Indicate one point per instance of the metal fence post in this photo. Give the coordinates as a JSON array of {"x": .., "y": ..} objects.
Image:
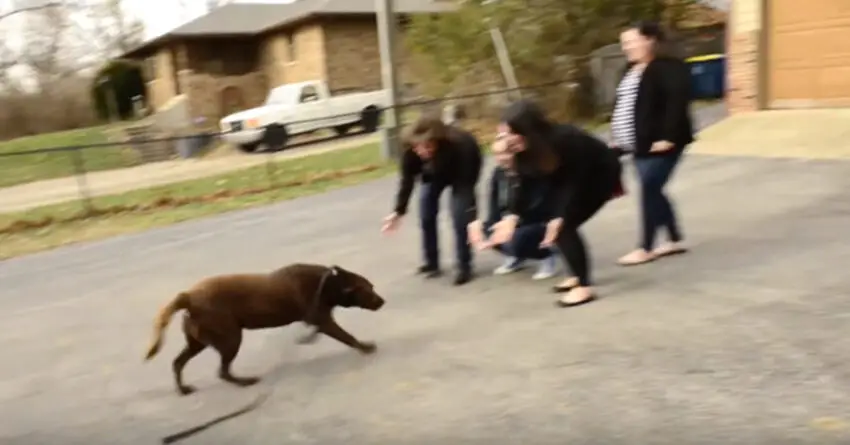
[
  {"x": 387, "y": 32},
  {"x": 82, "y": 180},
  {"x": 270, "y": 172}
]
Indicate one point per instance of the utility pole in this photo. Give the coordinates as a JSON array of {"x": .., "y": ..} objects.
[
  {"x": 503, "y": 55},
  {"x": 387, "y": 36}
]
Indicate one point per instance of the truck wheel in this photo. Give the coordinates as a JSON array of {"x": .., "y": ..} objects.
[
  {"x": 249, "y": 148},
  {"x": 275, "y": 137},
  {"x": 342, "y": 129},
  {"x": 370, "y": 118}
]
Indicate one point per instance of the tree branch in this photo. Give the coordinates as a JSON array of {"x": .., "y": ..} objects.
[{"x": 28, "y": 9}]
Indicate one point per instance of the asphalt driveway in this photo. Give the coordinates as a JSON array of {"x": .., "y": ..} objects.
[{"x": 742, "y": 341}]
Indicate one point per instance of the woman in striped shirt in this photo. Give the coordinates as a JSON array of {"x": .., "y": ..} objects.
[{"x": 652, "y": 121}]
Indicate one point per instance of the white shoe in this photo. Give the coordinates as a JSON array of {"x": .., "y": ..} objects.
[
  {"x": 547, "y": 269},
  {"x": 510, "y": 265}
]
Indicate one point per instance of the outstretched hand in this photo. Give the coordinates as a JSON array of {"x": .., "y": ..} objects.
[
  {"x": 553, "y": 229},
  {"x": 503, "y": 230},
  {"x": 391, "y": 223},
  {"x": 476, "y": 237}
]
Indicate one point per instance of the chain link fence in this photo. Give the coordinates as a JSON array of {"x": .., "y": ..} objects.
[{"x": 136, "y": 168}]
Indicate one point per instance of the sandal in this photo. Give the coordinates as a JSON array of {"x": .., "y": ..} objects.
[
  {"x": 637, "y": 257},
  {"x": 566, "y": 304},
  {"x": 670, "y": 249},
  {"x": 563, "y": 303},
  {"x": 561, "y": 287}
]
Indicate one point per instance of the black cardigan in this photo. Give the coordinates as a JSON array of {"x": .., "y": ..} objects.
[
  {"x": 456, "y": 163},
  {"x": 662, "y": 110},
  {"x": 586, "y": 166}
]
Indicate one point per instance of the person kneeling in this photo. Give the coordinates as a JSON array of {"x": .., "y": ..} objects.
[{"x": 525, "y": 243}]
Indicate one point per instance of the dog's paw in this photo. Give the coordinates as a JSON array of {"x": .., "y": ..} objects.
[
  {"x": 367, "y": 347},
  {"x": 247, "y": 381},
  {"x": 185, "y": 390},
  {"x": 308, "y": 339}
]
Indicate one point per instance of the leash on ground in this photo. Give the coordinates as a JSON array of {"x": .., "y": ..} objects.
[{"x": 267, "y": 393}]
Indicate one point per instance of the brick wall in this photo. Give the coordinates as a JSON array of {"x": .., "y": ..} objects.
[
  {"x": 206, "y": 93},
  {"x": 353, "y": 56},
  {"x": 743, "y": 55},
  {"x": 342, "y": 51},
  {"x": 307, "y": 62},
  {"x": 161, "y": 88}
]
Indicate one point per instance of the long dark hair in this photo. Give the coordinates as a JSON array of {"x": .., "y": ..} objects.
[
  {"x": 650, "y": 30},
  {"x": 528, "y": 120}
]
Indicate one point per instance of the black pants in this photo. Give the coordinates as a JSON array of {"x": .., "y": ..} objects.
[
  {"x": 656, "y": 210},
  {"x": 429, "y": 208},
  {"x": 586, "y": 203}
]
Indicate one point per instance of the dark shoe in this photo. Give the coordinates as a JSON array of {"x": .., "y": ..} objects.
[
  {"x": 429, "y": 271},
  {"x": 463, "y": 277}
]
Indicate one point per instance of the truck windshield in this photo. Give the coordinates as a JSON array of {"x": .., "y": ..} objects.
[{"x": 283, "y": 95}]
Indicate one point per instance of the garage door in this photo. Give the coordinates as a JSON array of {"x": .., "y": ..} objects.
[{"x": 808, "y": 62}]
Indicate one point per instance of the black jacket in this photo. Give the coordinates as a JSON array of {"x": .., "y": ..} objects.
[
  {"x": 662, "y": 111},
  {"x": 586, "y": 169},
  {"x": 456, "y": 163},
  {"x": 532, "y": 194}
]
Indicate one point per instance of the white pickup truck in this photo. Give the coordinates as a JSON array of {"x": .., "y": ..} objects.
[{"x": 298, "y": 108}]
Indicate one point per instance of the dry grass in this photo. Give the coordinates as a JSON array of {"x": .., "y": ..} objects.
[{"x": 56, "y": 225}]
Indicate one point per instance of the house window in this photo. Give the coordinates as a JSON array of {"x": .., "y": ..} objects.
[
  {"x": 291, "y": 47},
  {"x": 214, "y": 66}
]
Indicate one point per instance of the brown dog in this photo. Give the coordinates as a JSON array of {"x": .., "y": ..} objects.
[{"x": 218, "y": 308}]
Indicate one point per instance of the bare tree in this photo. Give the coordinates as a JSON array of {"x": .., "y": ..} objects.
[
  {"x": 213, "y": 4},
  {"x": 29, "y": 7},
  {"x": 113, "y": 30},
  {"x": 45, "y": 48}
]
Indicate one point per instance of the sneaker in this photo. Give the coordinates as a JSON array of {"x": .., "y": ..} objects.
[
  {"x": 546, "y": 269},
  {"x": 510, "y": 265}
]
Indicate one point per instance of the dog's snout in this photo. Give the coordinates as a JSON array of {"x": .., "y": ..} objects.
[{"x": 377, "y": 302}]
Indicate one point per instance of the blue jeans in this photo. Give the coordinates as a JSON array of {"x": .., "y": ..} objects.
[
  {"x": 526, "y": 242},
  {"x": 429, "y": 208},
  {"x": 656, "y": 209}
]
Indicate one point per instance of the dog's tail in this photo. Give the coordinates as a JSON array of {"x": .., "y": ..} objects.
[{"x": 162, "y": 320}]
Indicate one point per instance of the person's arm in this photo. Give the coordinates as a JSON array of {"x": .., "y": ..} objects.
[
  {"x": 470, "y": 171},
  {"x": 675, "y": 83},
  {"x": 493, "y": 210},
  {"x": 410, "y": 169}
]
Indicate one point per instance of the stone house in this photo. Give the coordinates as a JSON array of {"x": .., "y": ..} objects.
[
  {"x": 229, "y": 59},
  {"x": 788, "y": 54}
]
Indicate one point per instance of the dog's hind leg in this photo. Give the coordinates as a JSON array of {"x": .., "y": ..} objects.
[
  {"x": 228, "y": 346},
  {"x": 193, "y": 347}
]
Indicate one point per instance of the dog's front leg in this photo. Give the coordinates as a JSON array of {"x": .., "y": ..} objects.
[
  {"x": 330, "y": 328},
  {"x": 310, "y": 337}
]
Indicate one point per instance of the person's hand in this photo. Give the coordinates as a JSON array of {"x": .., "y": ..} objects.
[
  {"x": 660, "y": 146},
  {"x": 475, "y": 235},
  {"x": 553, "y": 229},
  {"x": 391, "y": 223},
  {"x": 503, "y": 230}
]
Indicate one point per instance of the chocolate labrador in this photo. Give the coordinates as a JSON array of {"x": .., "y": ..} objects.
[{"x": 218, "y": 308}]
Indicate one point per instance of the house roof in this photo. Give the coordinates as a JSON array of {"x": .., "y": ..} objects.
[{"x": 248, "y": 19}]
